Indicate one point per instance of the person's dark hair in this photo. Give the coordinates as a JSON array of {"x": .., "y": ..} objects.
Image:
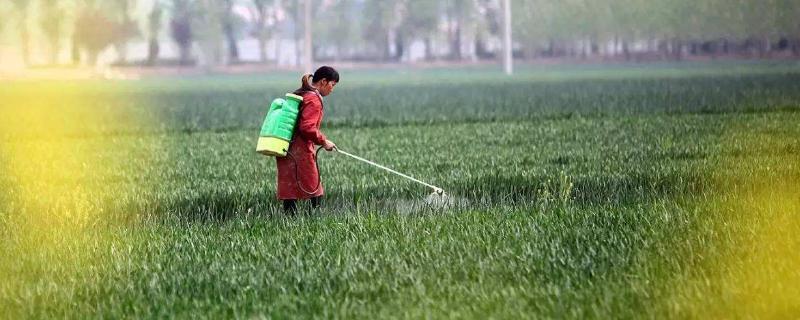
[{"x": 323, "y": 73}]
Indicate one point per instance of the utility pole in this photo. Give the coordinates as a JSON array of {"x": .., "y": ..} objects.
[
  {"x": 508, "y": 59},
  {"x": 308, "y": 59}
]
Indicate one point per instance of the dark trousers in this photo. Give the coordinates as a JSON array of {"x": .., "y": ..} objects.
[{"x": 290, "y": 206}]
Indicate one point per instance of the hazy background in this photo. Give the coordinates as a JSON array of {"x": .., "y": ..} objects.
[{"x": 255, "y": 35}]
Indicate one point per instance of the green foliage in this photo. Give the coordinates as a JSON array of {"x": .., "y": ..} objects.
[
  {"x": 97, "y": 25},
  {"x": 422, "y": 18},
  {"x": 181, "y": 28},
  {"x": 539, "y": 21},
  {"x": 339, "y": 25},
  {"x": 51, "y": 23},
  {"x": 621, "y": 191},
  {"x": 21, "y": 16},
  {"x": 94, "y": 31}
]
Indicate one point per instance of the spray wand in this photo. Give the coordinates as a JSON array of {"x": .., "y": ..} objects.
[{"x": 436, "y": 189}]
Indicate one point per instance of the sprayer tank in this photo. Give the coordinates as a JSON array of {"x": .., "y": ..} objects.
[{"x": 278, "y": 127}]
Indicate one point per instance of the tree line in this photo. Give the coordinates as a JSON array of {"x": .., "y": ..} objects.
[
  {"x": 387, "y": 30},
  {"x": 668, "y": 29}
]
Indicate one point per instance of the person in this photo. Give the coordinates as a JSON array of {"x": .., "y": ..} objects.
[{"x": 298, "y": 175}]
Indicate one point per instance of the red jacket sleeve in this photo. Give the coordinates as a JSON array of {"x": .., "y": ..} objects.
[{"x": 310, "y": 118}]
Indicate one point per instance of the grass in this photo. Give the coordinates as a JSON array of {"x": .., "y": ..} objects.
[{"x": 622, "y": 191}]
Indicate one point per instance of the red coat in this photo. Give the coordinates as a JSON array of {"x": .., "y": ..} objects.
[{"x": 306, "y": 135}]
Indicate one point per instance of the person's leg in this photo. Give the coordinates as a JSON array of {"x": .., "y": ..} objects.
[
  {"x": 316, "y": 202},
  {"x": 289, "y": 206}
]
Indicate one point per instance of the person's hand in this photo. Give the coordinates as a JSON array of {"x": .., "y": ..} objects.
[{"x": 329, "y": 146}]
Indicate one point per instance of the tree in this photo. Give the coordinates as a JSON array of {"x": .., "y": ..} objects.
[
  {"x": 764, "y": 22},
  {"x": 790, "y": 24},
  {"x": 153, "y": 27},
  {"x": 534, "y": 24},
  {"x": 94, "y": 32},
  {"x": 264, "y": 18},
  {"x": 229, "y": 22},
  {"x": 385, "y": 18},
  {"x": 295, "y": 9},
  {"x": 488, "y": 26},
  {"x": 422, "y": 23},
  {"x": 124, "y": 27},
  {"x": 51, "y": 19},
  {"x": 340, "y": 36},
  {"x": 181, "y": 29},
  {"x": 21, "y": 8},
  {"x": 208, "y": 19},
  {"x": 460, "y": 19},
  {"x": 308, "y": 47}
]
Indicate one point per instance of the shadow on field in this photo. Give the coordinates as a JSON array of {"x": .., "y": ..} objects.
[
  {"x": 490, "y": 191},
  {"x": 216, "y": 206},
  {"x": 219, "y": 206}
]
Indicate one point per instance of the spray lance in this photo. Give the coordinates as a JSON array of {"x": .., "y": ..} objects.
[
  {"x": 436, "y": 190},
  {"x": 278, "y": 128}
]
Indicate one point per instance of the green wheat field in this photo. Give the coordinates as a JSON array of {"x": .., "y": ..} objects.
[{"x": 628, "y": 191}]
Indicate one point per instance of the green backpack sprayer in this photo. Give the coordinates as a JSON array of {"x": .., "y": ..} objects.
[{"x": 278, "y": 129}]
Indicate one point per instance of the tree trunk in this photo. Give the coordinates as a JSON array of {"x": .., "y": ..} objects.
[
  {"x": 481, "y": 51},
  {"x": 764, "y": 50},
  {"x": 725, "y": 47},
  {"x": 152, "y": 51},
  {"x": 428, "y": 49},
  {"x": 456, "y": 43},
  {"x": 25, "y": 41},
  {"x": 154, "y": 24},
  {"x": 233, "y": 47},
  {"x": 262, "y": 49},
  {"x": 278, "y": 49},
  {"x": 122, "y": 53},
  {"x": 387, "y": 46},
  {"x": 663, "y": 49},
  {"x": 753, "y": 47},
  {"x": 532, "y": 51},
  {"x": 714, "y": 50},
  {"x": 479, "y": 48},
  {"x": 91, "y": 58},
  {"x": 337, "y": 52},
  {"x": 276, "y": 34},
  {"x": 626, "y": 50},
  {"x": 75, "y": 52},
  {"x": 307, "y": 32},
  {"x": 399, "y": 47},
  {"x": 297, "y": 34},
  {"x": 677, "y": 48},
  {"x": 298, "y": 53},
  {"x": 54, "y": 51},
  {"x": 185, "y": 51},
  {"x": 584, "y": 50}
]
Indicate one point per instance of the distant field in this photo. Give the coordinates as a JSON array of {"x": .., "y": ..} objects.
[
  {"x": 665, "y": 190},
  {"x": 423, "y": 96}
]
